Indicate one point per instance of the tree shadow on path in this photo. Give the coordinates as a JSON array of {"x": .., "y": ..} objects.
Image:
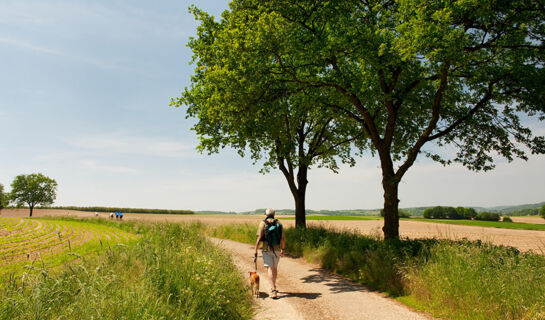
[
  {"x": 336, "y": 283},
  {"x": 303, "y": 295}
]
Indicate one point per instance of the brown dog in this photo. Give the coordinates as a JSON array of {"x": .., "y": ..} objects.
[{"x": 254, "y": 283}]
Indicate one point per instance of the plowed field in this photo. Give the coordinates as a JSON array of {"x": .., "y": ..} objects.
[{"x": 24, "y": 241}]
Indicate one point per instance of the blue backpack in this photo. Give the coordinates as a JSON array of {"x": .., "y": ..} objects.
[{"x": 272, "y": 233}]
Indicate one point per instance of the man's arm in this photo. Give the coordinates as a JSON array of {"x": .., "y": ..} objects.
[
  {"x": 282, "y": 244},
  {"x": 257, "y": 244}
]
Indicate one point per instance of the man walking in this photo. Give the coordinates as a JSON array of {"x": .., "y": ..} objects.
[{"x": 271, "y": 234}]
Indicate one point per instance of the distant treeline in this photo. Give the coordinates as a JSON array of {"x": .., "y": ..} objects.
[
  {"x": 459, "y": 213},
  {"x": 522, "y": 212},
  {"x": 124, "y": 210}
]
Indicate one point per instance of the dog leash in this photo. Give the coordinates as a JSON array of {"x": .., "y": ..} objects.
[{"x": 255, "y": 262}]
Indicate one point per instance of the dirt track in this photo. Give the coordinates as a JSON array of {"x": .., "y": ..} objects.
[
  {"x": 524, "y": 240},
  {"x": 309, "y": 292}
]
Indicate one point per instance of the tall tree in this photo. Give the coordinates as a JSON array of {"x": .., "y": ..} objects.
[
  {"x": 279, "y": 124},
  {"x": 410, "y": 73},
  {"x": 33, "y": 189}
]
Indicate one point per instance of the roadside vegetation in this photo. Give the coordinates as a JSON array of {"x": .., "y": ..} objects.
[
  {"x": 170, "y": 272},
  {"x": 450, "y": 279}
]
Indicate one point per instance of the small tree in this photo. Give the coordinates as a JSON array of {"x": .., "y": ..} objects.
[
  {"x": 3, "y": 198},
  {"x": 542, "y": 211},
  {"x": 33, "y": 189}
]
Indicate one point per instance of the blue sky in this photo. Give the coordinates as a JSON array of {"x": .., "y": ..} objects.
[{"x": 85, "y": 88}]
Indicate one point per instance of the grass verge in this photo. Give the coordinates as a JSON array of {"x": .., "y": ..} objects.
[
  {"x": 451, "y": 279},
  {"x": 170, "y": 272}
]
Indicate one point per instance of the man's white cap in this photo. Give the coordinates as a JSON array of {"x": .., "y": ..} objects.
[{"x": 269, "y": 212}]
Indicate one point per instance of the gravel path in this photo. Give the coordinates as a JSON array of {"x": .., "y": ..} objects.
[{"x": 309, "y": 292}]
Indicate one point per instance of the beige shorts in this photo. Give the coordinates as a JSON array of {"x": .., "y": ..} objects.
[{"x": 270, "y": 259}]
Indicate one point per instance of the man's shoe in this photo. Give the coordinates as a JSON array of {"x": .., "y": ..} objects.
[{"x": 274, "y": 294}]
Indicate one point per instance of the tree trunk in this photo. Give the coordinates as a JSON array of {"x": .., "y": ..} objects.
[
  {"x": 391, "y": 202},
  {"x": 300, "y": 214},
  {"x": 299, "y": 197},
  {"x": 31, "y": 207}
]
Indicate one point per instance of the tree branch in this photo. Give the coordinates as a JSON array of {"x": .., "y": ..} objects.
[{"x": 413, "y": 152}]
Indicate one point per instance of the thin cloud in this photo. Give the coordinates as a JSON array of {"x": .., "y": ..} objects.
[
  {"x": 119, "y": 144},
  {"x": 56, "y": 52},
  {"x": 96, "y": 166}
]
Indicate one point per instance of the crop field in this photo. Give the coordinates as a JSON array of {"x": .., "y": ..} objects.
[{"x": 50, "y": 242}]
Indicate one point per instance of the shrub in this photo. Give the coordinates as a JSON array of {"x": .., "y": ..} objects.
[
  {"x": 488, "y": 216},
  {"x": 506, "y": 219}
]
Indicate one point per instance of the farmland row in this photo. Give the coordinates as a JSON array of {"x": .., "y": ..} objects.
[{"x": 29, "y": 239}]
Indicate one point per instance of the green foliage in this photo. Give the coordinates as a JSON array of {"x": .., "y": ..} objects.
[
  {"x": 3, "y": 197},
  {"x": 488, "y": 216},
  {"x": 542, "y": 211},
  {"x": 173, "y": 272},
  {"x": 124, "y": 210},
  {"x": 451, "y": 213},
  {"x": 33, "y": 189},
  {"x": 239, "y": 105},
  {"x": 506, "y": 219},
  {"x": 453, "y": 279}
]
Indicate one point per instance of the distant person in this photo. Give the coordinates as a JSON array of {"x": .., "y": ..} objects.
[
  {"x": 96, "y": 214},
  {"x": 117, "y": 215},
  {"x": 270, "y": 233},
  {"x": 111, "y": 215},
  {"x": 121, "y": 215}
]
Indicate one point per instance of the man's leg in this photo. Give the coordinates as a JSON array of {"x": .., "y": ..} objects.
[
  {"x": 273, "y": 272},
  {"x": 272, "y": 278}
]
